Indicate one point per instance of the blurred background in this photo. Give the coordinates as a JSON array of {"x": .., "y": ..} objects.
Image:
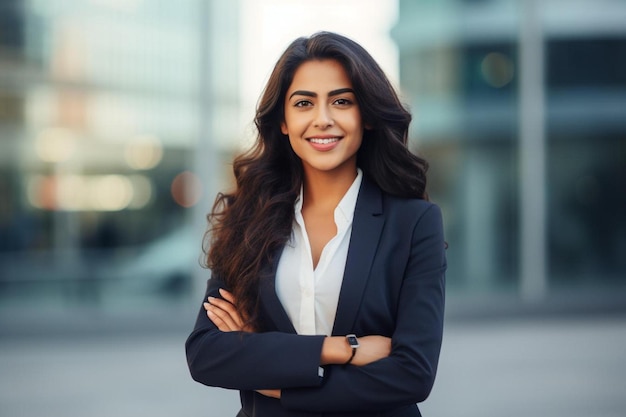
[{"x": 118, "y": 123}]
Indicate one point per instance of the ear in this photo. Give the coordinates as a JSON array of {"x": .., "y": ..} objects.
[
  {"x": 367, "y": 126},
  {"x": 283, "y": 128}
]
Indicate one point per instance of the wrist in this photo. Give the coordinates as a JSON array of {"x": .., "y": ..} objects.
[
  {"x": 335, "y": 351},
  {"x": 353, "y": 343}
]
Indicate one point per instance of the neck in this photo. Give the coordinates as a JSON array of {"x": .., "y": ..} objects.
[{"x": 326, "y": 189}]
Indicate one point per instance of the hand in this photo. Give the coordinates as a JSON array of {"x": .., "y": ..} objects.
[
  {"x": 224, "y": 314},
  {"x": 272, "y": 393}
]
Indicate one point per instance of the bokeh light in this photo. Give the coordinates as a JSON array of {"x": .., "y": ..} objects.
[
  {"x": 186, "y": 189},
  {"x": 89, "y": 193},
  {"x": 142, "y": 191},
  {"x": 143, "y": 152},
  {"x": 55, "y": 144},
  {"x": 497, "y": 69},
  {"x": 111, "y": 192}
]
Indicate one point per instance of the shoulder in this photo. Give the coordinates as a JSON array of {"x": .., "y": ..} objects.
[
  {"x": 416, "y": 205},
  {"x": 409, "y": 210},
  {"x": 390, "y": 203}
]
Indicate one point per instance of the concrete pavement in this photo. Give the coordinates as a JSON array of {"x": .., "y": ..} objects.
[{"x": 515, "y": 367}]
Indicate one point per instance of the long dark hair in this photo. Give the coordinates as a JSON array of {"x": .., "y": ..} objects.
[{"x": 250, "y": 225}]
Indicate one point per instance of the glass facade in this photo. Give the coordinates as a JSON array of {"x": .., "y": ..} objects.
[
  {"x": 462, "y": 69},
  {"x": 104, "y": 107}
]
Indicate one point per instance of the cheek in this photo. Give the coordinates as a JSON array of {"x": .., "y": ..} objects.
[
  {"x": 296, "y": 147},
  {"x": 358, "y": 133},
  {"x": 353, "y": 122},
  {"x": 293, "y": 124},
  {"x": 357, "y": 144}
]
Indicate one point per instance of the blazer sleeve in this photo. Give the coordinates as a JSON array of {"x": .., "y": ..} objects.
[
  {"x": 250, "y": 361},
  {"x": 407, "y": 375}
]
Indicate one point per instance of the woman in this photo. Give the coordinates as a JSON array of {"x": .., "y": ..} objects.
[{"x": 328, "y": 262}]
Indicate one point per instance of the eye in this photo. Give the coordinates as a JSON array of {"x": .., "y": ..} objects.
[
  {"x": 302, "y": 103},
  {"x": 343, "y": 102}
]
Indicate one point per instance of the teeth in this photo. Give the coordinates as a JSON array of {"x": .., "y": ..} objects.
[{"x": 324, "y": 141}]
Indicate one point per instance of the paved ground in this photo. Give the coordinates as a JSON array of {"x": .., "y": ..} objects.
[
  {"x": 517, "y": 367},
  {"x": 542, "y": 368}
]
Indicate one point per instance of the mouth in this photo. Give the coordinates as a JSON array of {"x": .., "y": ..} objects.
[{"x": 324, "y": 141}]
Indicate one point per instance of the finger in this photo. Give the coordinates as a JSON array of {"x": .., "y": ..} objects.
[
  {"x": 221, "y": 324},
  {"x": 227, "y": 307},
  {"x": 273, "y": 393},
  {"x": 227, "y": 296},
  {"x": 225, "y": 316},
  {"x": 223, "y": 304},
  {"x": 220, "y": 318},
  {"x": 216, "y": 320}
]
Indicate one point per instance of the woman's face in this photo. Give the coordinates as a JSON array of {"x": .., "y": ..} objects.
[{"x": 322, "y": 118}]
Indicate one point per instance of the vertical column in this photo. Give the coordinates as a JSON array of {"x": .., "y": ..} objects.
[
  {"x": 532, "y": 155},
  {"x": 205, "y": 156},
  {"x": 481, "y": 198}
]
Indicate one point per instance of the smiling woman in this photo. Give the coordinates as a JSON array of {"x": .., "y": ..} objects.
[{"x": 327, "y": 260}]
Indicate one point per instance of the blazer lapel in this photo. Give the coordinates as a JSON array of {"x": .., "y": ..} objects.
[
  {"x": 366, "y": 228},
  {"x": 270, "y": 300}
]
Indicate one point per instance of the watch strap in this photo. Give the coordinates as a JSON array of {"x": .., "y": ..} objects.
[{"x": 354, "y": 344}]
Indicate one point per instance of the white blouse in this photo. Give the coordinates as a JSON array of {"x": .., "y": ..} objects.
[{"x": 309, "y": 295}]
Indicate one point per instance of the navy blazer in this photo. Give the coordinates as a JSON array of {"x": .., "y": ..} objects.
[{"x": 393, "y": 286}]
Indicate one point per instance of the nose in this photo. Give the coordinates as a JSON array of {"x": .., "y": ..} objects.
[{"x": 323, "y": 118}]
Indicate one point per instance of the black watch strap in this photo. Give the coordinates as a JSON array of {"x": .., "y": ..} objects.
[{"x": 353, "y": 341}]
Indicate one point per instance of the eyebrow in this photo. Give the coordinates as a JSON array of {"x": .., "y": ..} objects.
[{"x": 330, "y": 93}]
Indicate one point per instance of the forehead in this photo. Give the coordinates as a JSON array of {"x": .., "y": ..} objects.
[{"x": 320, "y": 76}]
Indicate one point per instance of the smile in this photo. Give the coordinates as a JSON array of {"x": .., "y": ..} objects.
[{"x": 324, "y": 141}]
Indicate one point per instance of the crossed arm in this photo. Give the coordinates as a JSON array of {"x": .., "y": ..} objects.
[{"x": 335, "y": 350}]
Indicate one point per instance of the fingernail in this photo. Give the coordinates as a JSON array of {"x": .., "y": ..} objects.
[{"x": 211, "y": 299}]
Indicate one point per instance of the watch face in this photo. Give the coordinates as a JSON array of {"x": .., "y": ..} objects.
[{"x": 352, "y": 340}]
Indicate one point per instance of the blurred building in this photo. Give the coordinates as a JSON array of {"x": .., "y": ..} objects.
[
  {"x": 118, "y": 119},
  {"x": 108, "y": 144},
  {"x": 521, "y": 108}
]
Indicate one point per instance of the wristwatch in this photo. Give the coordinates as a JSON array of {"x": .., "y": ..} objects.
[{"x": 354, "y": 343}]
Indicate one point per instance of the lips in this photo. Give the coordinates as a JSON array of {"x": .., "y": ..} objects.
[
  {"x": 323, "y": 141},
  {"x": 324, "y": 144}
]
